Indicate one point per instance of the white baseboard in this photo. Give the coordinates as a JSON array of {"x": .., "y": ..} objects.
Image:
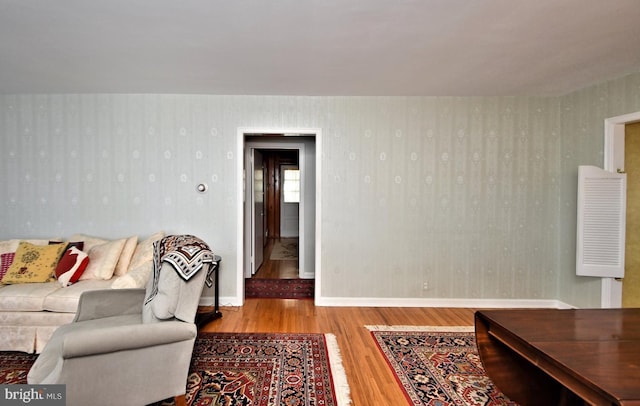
[
  {"x": 223, "y": 301},
  {"x": 411, "y": 302},
  {"x": 422, "y": 302}
]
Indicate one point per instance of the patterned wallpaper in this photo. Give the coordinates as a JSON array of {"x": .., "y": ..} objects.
[
  {"x": 582, "y": 114},
  {"x": 470, "y": 195}
]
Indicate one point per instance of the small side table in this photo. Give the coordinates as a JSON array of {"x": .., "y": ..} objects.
[{"x": 202, "y": 318}]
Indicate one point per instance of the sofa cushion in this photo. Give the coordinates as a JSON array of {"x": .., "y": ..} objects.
[
  {"x": 66, "y": 300},
  {"x": 34, "y": 263},
  {"x": 125, "y": 257},
  {"x": 134, "y": 279},
  {"x": 103, "y": 259},
  {"x": 26, "y": 297},
  {"x": 144, "y": 251},
  {"x": 71, "y": 266}
]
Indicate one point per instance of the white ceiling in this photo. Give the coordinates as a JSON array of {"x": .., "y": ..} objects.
[{"x": 316, "y": 47}]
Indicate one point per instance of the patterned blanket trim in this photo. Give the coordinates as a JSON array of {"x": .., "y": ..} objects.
[{"x": 440, "y": 329}]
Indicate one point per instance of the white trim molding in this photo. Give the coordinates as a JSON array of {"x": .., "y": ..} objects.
[
  {"x": 240, "y": 196},
  {"x": 614, "y": 133},
  {"x": 440, "y": 302}
]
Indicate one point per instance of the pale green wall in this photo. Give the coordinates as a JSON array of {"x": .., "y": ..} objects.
[
  {"x": 583, "y": 114},
  {"x": 474, "y": 195}
]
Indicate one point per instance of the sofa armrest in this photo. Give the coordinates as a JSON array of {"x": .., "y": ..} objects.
[
  {"x": 121, "y": 338},
  {"x": 96, "y": 304}
]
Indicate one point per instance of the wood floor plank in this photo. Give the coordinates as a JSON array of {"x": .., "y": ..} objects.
[{"x": 370, "y": 378}]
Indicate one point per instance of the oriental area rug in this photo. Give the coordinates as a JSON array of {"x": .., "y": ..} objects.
[
  {"x": 260, "y": 369},
  {"x": 437, "y": 365},
  {"x": 279, "y": 288}
]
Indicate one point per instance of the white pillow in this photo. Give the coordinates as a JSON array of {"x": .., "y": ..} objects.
[
  {"x": 103, "y": 259},
  {"x": 134, "y": 279},
  {"x": 144, "y": 251},
  {"x": 126, "y": 255}
]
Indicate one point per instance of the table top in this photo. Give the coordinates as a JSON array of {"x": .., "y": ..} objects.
[{"x": 600, "y": 347}]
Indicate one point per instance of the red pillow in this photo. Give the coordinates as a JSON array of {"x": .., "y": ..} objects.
[
  {"x": 71, "y": 266},
  {"x": 5, "y": 262}
]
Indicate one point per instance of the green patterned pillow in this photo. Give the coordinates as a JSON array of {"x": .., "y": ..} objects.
[{"x": 34, "y": 263}]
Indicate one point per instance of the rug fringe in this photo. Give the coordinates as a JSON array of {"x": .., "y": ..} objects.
[
  {"x": 341, "y": 386},
  {"x": 455, "y": 329}
]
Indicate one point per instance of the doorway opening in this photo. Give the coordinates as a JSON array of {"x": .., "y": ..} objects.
[
  {"x": 280, "y": 233},
  {"x": 615, "y": 129},
  {"x": 277, "y": 206}
]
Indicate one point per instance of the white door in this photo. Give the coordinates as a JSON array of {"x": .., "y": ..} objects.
[
  {"x": 258, "y": 212},
  {"x": 601, "y": 222},
  {"x": 289, "y": 201}
]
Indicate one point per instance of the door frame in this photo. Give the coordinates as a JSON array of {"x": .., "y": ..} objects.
[
  {"x": 249, "y": 238},
  {"x": 241, "y": 190},
  {"x": 614, "y": 135}
]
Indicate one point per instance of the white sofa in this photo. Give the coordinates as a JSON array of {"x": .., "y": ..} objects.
[{"x": 31, "y": 312}]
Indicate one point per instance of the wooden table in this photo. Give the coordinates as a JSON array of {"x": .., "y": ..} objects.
[{"x": 562, "y": 357}]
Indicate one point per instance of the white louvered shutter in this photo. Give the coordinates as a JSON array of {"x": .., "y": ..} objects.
[{"x": 602, "y": 198}]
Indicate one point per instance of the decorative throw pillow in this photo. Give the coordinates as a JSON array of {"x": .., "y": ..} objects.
[
  {"x": 125, "y": 257},
  {"x": 144, "y": 251},
  {"x": 103, "y": 259},
  {"x": 71, "y": 266},
  {"x": 34, "y": 263},
  {"x": 8, "y": 251},
  {"x": 6, "y": 260}
]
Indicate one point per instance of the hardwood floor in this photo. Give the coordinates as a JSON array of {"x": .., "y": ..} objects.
[
  {"x": 370, "y": 379},
  {"x": 279, "y": 269}
]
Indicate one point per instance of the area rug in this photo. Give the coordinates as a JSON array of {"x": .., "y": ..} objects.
[
  {"x": 437, "y": 365},
  {"x": 269, "y": 369},
  {"x": 14, "y": 366},
  {"x": 284, "y": 248},
  {"x": 279, "y": 288}
]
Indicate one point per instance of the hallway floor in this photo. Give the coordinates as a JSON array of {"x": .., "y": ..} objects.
[{"x": 276, "y": 269}]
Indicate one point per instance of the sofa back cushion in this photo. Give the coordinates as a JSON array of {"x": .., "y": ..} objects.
[{"x": 34, "y": 263}]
